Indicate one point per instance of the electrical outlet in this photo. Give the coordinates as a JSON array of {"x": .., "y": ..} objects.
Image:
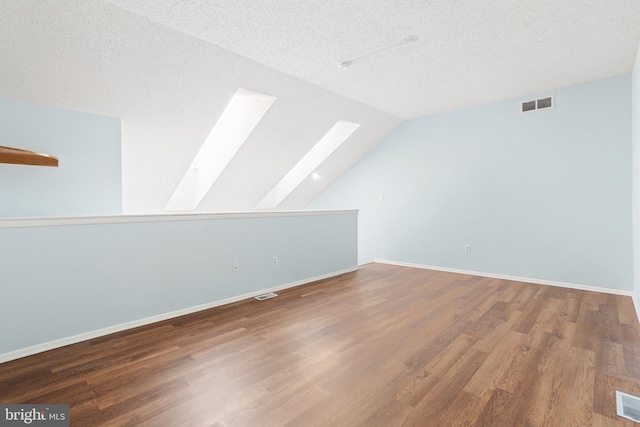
[
  {"x": 275, "y": 260},
  {"x": 467, "y": 248},
  {"x": 236, "y": 266}
]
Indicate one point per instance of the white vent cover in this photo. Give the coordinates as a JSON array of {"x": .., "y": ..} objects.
[
  {"x": 628, "y": 406},
  {"x": 266, "y": 296},
  {"x": 537, "y": 104}
]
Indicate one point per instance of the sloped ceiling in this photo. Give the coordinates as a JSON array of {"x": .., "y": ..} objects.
[
  {"x": 169, "y": 89},
  {"x": 167, "y": 68},
  {"x": 468, "y": 52}
]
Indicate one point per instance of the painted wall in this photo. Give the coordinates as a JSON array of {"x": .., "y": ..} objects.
[
  {"x": 88, "y": 180},
  {"x": 635, "y": 122},
  {"x": 543, "y": 195},
  {"x": 65, "y": 280}
]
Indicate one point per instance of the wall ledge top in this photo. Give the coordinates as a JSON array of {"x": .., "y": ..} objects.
[{"x": 115, "y": 219}]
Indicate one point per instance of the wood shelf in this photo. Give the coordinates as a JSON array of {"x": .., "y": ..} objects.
[{"x": 19, "y": 156}]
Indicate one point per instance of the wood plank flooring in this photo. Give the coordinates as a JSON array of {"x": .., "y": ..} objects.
[{"x": 382, "y": 346}]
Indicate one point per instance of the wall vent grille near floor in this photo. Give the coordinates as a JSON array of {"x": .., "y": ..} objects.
[
  {"x": 266, "y": 296},
  {"x": 628, "y": 406},
  {"x": 537, "y": 104}
]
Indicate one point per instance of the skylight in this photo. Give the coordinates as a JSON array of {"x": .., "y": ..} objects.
[
  {"x": 306, "y": 166},
  {"x": 240, "y": 117}
]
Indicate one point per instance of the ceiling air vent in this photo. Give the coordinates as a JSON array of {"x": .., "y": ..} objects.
[{"x": 537, "y": 104}]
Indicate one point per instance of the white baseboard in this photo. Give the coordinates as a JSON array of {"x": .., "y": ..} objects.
[
  {"x": 514, "y": 278},
  {"x": 636, "y": 304},
  {"x": 39, "y": 348}
]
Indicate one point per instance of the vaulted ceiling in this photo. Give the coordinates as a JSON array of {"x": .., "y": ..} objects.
[
  {"x": 168, "y": 68},
  {"x": 468, "y": 52}
]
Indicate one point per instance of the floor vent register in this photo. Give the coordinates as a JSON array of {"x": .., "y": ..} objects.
[
  {"x": 628, "y": 406},
  {"x": 266, "y": 296}
]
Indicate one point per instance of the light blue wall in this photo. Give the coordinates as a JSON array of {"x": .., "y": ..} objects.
[
  {"x": 544, "y": 195},
  {"x": 61, "y": 281},
  {"x": 88, "y": 180},
  {"x": 636, "y": 172}
]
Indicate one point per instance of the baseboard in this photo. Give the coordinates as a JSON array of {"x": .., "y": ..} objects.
[
  {"x": 39, "y": 348},
  {"x": 636, "y": 305},
  {"x": 514, "y": 278}
]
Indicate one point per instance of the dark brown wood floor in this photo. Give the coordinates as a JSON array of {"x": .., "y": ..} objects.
[{"x": 383, "y": 346}]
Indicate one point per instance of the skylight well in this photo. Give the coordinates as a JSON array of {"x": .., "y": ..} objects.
[
  {"x": 239, "y": 119},
  {"x": 306, "y": 166}
]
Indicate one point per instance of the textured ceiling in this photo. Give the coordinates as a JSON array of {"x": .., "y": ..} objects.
[
  {"x": 468, "y": 52},
  {"x": 169, "y": 89},
  {"x": 167, "y": 68}
]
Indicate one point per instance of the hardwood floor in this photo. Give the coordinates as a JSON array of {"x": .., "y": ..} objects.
[{"x": 383, "y": 346}]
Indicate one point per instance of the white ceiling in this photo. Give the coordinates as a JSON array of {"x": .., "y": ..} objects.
[
  {"x": 468, "y": 52},
  {"x": 167, "y": 68}
]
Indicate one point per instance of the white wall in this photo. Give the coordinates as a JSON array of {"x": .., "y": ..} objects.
[
  {"x": 62, "y": 281},
  {"x": 88, "y": 180},
  {"x": 544, "y": 195}
]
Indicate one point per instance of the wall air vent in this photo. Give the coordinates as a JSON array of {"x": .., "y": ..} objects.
[
  {"x": 528, "y": 106},
  {"x": 537, "y": 104},
  {"x": 266, "y": 296}
]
